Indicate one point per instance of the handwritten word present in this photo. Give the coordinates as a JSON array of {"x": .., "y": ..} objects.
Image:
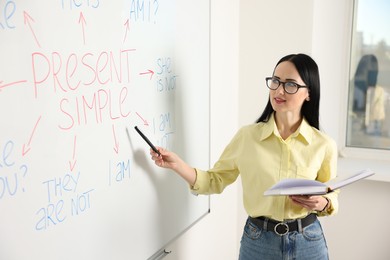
[
  {"x": 58, "y": 72},
  {"x": 7, "y": 14},
  {"x": 12, "y": 172}
]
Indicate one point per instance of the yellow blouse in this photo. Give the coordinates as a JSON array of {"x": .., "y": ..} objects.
[{"x": 262, "y": 158}]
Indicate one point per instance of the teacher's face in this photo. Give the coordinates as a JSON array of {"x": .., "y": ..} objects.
[{"x": 283, "y": 102}]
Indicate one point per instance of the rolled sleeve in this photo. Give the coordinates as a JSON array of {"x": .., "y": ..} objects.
[
  {"x": 333, "y": 204},
  {"x": 210, "y": 182},
  {"x": 202, "y": 179}
]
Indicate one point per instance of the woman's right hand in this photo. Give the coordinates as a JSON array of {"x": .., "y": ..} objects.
[
  {"x": 165, "y": 159},
  {"x": 170, "y": 160}
]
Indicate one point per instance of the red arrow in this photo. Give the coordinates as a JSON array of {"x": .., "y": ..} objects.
[
  {"x": 27, "y": 19},
  {"x": 116, "y": 147},
  {"x": 148, "y": 72},
  {"x": 83, "y": 23},
  {"x": 145, "y": 122},
  {"x": 72, "y": 163},
  {"x": 10, "y": 84},
  {"x": 25, "y": 149},
  {"x": 127, "y": 25}
]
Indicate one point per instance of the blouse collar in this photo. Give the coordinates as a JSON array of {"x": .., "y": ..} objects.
[{"x": 304, "y": 131}]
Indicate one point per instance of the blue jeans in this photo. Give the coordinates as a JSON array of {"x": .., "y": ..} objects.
[{"x": 257, "y": 243}]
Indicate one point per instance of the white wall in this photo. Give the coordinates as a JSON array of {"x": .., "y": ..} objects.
[
  {"x": 248, "y": 37},
  {"x": 269, "y": 30},
  {"x": 215, "y": 236}
]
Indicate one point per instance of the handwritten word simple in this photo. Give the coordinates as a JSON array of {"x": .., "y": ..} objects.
[
  {"x": 12, "y": 173},
  {"x": 144, "y": 10},
  {"x": 68, "y": 72},
  {"x": 120, "y": 172},
  {"x": 7, "y": 12},
  {"x": 57, "y": 186},
  {"x": 74, "y": 4},
  {"x": 104, "y": 104}
]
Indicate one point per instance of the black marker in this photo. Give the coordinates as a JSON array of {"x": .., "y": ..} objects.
[{"x": 147, "y": 140}]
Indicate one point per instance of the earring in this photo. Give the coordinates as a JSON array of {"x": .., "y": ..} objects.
[{"x": 308, "y": 99}]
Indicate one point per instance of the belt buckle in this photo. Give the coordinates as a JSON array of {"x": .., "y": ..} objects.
[{"x": 281, "y": 224}]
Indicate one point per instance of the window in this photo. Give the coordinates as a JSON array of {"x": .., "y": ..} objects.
[{"x": 368, "y": 117}]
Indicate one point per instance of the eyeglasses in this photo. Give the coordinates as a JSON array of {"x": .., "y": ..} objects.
[{"x": 289, "y": 87}]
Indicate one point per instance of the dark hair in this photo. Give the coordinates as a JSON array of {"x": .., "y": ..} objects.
[{"x": 308, "y": 71}]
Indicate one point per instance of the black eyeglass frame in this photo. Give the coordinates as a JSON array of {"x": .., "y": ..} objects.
[{"x": 283, "y": 84}]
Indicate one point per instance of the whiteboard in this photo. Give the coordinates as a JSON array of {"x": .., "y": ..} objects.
[{"x": 76, "y": 76}]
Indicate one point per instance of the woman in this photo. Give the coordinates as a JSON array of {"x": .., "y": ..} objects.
[{"x": 284, "y": 143}]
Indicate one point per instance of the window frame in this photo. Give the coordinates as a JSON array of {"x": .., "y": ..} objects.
[{"x": 345, "y": 150}]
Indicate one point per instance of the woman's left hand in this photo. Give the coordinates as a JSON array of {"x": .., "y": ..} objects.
[{"x": 310, "y": 202}]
